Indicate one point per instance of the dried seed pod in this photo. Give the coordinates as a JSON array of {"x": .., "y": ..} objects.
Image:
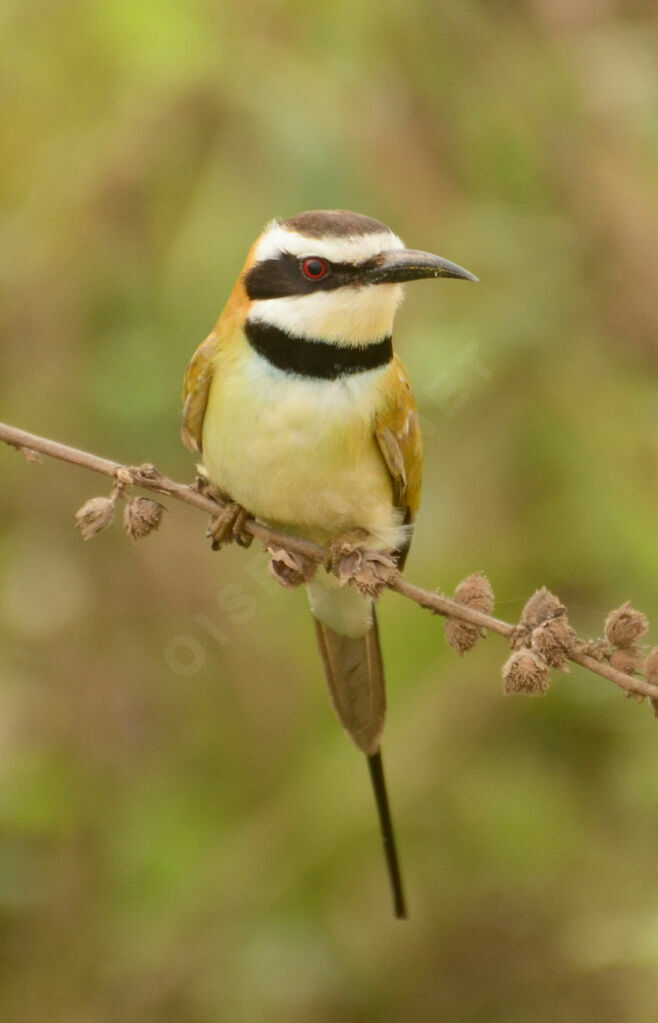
[
  {"x": 95, "y": 515},
  {"x": 628, "y": 659},
  {"x": 141, "y": 516},
  {"x": 289, "y": 568},
  {"x": 526, "y": 672},
  {"x": 475, "y": 591},
  {"x": 542, "y": 605},
  {"x": 624, "y": 626},
  {"x": 554, "y": 641},
  {"x": 462, "y": 636},
  {"x": 370, "y": 571}
]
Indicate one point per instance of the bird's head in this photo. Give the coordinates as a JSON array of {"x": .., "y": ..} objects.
[{"x": 333, "y": 276}]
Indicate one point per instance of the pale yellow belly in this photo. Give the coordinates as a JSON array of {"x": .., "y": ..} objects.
[{"x": 300, "y": 453}]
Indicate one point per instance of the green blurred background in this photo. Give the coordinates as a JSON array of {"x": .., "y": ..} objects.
[{"x": 186, "y": 833}]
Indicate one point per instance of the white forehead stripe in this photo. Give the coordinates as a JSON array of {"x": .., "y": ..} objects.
[{"x": 336, "y": 248}]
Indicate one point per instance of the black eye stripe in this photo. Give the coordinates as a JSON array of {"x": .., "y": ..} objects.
[{"x": 282, "y": 276}]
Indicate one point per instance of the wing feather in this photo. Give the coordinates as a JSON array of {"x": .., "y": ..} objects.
[
  {"x": 196, "y": 388},
  {"x": 201, "y": 368},
  {"x": 397, "y": 432}
]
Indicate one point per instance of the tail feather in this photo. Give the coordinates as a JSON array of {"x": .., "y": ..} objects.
[
  {"x": 353, "y": 668},
  {"x": 386, "y": 824},
  {"x": 355, "y": 675}
]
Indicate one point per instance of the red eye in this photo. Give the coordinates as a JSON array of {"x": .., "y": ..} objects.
[{"x": 314, "y": 269}]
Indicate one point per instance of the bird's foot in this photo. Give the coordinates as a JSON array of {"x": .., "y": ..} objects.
[
  {"x": 289, "y": 568},
  {"x": 228, "y": 527},
  {"x": 367, "y": 569}
]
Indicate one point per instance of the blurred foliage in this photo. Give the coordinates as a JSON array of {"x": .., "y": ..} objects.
[{"x": 186, "y": 834}]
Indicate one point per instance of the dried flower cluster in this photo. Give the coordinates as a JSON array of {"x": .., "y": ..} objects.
[
  {"x": 542, "y": 640},
  {"x": 475, "y": 591},
  {"x": 290, "y": 569},
  {"x": 623, "y": 628},
  {"x": 526, "y": 672},
  {"x": 95, "y": 515},
  {"x": 141, "y": 514},
  {"x": 370, "y": 571}
]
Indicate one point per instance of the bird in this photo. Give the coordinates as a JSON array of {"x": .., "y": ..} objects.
[{"x": 306, "y": 421}]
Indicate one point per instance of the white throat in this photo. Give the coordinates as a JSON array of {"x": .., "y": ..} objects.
[{"x": 348, "y": 316}]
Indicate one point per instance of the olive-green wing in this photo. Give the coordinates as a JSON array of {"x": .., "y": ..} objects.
[
  {"x": 397, "y": 432},
  {"x": 196, "y": 387}
]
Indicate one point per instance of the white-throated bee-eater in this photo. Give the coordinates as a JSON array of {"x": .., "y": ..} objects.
[{"x": 306, "y": 421}]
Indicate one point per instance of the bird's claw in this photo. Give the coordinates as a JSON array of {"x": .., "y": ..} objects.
[
  {"x": 228, "y": 527},
  {"x": 367, "y": 569}
]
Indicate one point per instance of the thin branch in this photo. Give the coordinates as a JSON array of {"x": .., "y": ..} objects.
[
  {"x": 148, "y": 477},
  {"x": 450, "y": 608}
]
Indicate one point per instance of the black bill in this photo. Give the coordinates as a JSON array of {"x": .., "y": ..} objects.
[{"x": 399, "y": 265}]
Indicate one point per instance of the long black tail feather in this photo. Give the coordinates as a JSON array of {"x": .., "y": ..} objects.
[{"x": 386, "y": 824}]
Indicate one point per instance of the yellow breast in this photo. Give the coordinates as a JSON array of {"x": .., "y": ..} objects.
[{"x": 299, "y": 452}]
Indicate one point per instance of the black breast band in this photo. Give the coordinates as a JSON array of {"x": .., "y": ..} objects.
[{"x": 315, "y": 359}]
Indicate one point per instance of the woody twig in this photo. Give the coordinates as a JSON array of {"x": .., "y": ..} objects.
[{"x": 541, "y": 641}]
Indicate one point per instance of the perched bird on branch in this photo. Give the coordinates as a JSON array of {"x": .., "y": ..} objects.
[{"x": 306, "y": 421}]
